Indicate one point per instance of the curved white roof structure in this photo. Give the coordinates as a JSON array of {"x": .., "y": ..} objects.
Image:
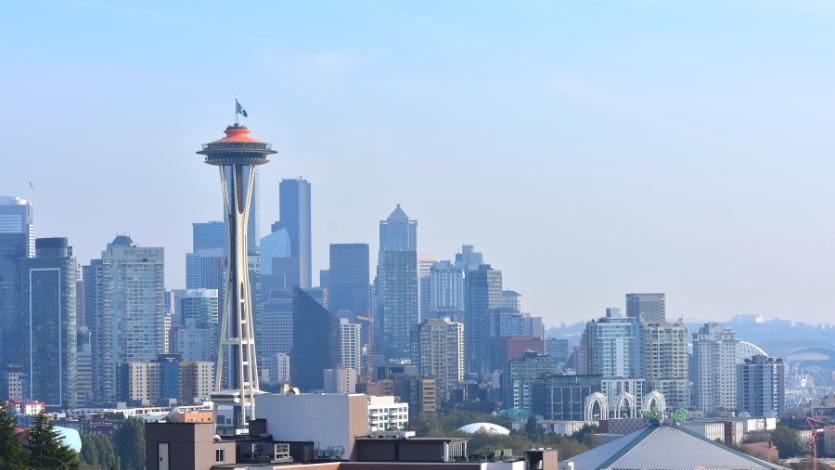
[
  {"x": 489, "y": 428},
  {"x": 746, "y": 350}
]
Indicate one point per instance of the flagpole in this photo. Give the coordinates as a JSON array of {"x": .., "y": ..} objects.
[{"x": 236, "y": 112}]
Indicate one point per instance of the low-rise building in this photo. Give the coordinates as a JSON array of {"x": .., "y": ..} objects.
[
  {"x": 386, "y": 414},
  {"x": 336, "y": 420},
  {"x": 28, "y": 407},
  {"x": 185, "y": 446},
  {"x": 193, "y": 446}
]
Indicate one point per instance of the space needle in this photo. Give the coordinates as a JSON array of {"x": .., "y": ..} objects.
[{"x": 236, "y": 156}]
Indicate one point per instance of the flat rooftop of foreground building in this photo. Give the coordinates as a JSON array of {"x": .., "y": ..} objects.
[
  {"x": 516, "y": 465},
  {"x": 375, "y": 466},
  {"x": 415, "y": 439},
  {"x": 665, "y": 446}
]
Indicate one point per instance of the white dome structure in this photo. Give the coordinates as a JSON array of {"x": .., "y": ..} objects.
[{"x": 488, "y": 428}]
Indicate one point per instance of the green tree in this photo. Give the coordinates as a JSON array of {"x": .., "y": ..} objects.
[
  {"x": 532, "y": 428},
  {"x": 129, "y": 444},
  {"x": 12, "y": 455},
  {"x": 45, "y": 448},
  {"x": 89, "y": 451},
  {"x": 97, "y": 453},
  {"x": 787, "y": 441}
]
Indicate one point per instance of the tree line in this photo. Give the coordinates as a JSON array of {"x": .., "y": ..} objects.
[{"x": 40, "y": 446}]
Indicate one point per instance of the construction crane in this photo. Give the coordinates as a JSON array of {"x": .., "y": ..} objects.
[
  {"x": 816, "y": 428},
  {"x": 369, "y": 366}
]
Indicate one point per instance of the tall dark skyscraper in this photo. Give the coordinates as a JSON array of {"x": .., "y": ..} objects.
[
  {"x": 482, "y": 296},
  {"x": 16, "y": 243},
  {"x": 315, "y": 341},
  {"x": 397, "y": 284},
  {"x": 294, "y": 215},
  {"x": 49, "y": 299},
  {"x": 648, "y": 307},
  {"x": 274, "y": 334},
  {"x": 349, "y": 279}
]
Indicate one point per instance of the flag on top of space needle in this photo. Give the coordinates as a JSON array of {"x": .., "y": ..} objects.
[{"x": 240, "y": 109}]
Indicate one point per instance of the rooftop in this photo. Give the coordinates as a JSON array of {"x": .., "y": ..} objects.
[
  {"x": 665, "y": 446},
  {"x": 237, "y": 133}
]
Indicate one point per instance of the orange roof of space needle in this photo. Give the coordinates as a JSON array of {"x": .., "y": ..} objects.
[{"x": 237, "y": 134}]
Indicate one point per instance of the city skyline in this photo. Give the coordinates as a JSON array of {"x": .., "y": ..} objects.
[{"x": 724, "y": 224}]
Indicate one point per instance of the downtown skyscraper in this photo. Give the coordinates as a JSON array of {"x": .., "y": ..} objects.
[
  {"x": 125, "y": 299},
  {"x": 610, "y": 348},
  {"x": 294, "y": 215},
  {"x": 48, "y": 297},
  {"x": 349, "y": 293},
  {"x": 397, "y": 284},
  {"x": 482, "y": 297},
  {"x": 16, "y": 242},
  {"x": 665, "y": 361},
  {"x": 315, "y": 341},
  {"x": 446, "y": 291},
  {"x": 438, "y": 352},
  {"x": 714, "y": 368},
  {"x": 761, "y": 386}
]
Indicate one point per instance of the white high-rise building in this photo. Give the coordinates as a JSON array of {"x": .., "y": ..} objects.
[
  {"x": 350, "y": 346},
  {"x": 144, "y": 382},
  {"x": 665, "y": 361},
  {"x": 714, "y": 368},
  {"x": 438, "y": 352}
]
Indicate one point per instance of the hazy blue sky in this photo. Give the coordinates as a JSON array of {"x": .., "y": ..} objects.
[{"x": 588, "y": 148}]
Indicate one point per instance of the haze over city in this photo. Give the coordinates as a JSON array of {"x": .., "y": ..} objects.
[{"x": 626, "y": 152}]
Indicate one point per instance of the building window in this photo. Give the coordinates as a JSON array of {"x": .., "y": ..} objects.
[{"x": 219, "y": 457}]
